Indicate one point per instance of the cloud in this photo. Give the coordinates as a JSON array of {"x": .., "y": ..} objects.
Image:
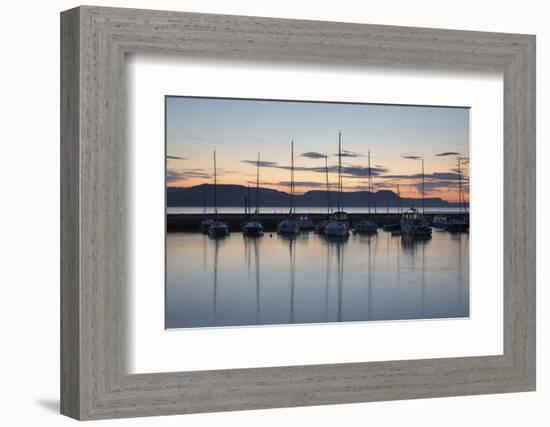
[
  {"x": 176, "y": 158},
  {"x": 347, "y": 153},
  {"x": 361, "y": 172},
  {"x": 173, "y": 175},
  {"x": 444, "y": 176},
  {"x": 448, "y": 153},
  {"x": 263, "y": 163},
  {"x": 412, "y": 157},
  {"x": 313, "y": 155},
  {"x": 438, "y": 185},
  {"x": 348, "y": 171}
]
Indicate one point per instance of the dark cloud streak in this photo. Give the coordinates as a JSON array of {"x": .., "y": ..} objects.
[
  {"x": 313, "y": 155},
  {"x": 448, "y": 153},
  {"x": 350, "y": 171}
]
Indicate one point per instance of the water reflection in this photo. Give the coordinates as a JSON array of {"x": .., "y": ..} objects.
[
  {"x": 215, "y": 287},
  {"x": 292, "y": 263},
  {"x": 308, "y": 279}
]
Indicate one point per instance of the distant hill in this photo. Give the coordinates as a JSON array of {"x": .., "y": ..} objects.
[{"x": 234, "y": 196}]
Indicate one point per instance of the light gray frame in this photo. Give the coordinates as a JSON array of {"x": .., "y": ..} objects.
[{"x": 94, "y": 41}]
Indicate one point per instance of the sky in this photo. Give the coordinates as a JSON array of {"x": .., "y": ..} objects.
[{"x": 396, "y": 136}]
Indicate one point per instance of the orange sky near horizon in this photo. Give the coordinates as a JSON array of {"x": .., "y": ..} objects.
[{"x": 396, "y": 136}]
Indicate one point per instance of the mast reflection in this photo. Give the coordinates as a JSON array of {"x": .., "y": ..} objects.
[
  {"x": 257, "y": 268},
  {"x": 292, "y": 255},
  {"x": 215, "y": 287}
]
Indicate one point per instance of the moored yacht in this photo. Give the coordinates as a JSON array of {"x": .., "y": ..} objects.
[
  {"x": 338, "y": 225},
  {"x": 413, "y": 223},
  {"x": 289, "y": 226},
  {"x": 461, "y": 223},
  {"x": 254, "y": 228},
  {"x": 439, "y": 221},
  {"x": 367, "y": 225},
  {"x": 456, "y": 225},
  {"x": 305, "y": 223},
  {"x": 322, "y": 225},
  {"x": 217, "y": 228},
  {"x": 205, "y": 224}
]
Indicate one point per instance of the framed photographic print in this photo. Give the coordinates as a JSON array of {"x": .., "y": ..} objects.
[{"x": 262, "y": 213}]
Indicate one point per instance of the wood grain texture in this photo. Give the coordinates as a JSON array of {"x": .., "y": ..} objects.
[
  {"x": 94, "y": 271},
  {"x": 70, "y": 292}
]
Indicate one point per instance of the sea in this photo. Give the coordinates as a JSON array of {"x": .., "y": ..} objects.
[{"x": 275, "y": 280}]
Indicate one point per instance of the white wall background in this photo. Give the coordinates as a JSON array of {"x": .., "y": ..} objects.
[{"x": 29, "y": 225}]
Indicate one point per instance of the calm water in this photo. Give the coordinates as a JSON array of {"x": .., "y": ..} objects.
[
  {"x": 299, "y": 210},
  {"x": 274, "y": 280}
]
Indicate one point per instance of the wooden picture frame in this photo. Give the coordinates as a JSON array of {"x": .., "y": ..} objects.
[{"x": 94, "y": 382}]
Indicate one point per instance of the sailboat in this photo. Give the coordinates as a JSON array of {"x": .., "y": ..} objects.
[
  {"x": 289, "y": 226},
  {"x": 395, "y": 227},
  {"x": 367, "y": 226},
  {"x": 217, "y": 228},
  {"x": 413, "y": 222},
  {"x": 207, "y": 222},
  {"x": 254, "y": 228},
  {"x": 440, "y": 221},
  {"x": 338, "y": 225},
  {"x": 320, "y": 227},
  {"x": 459, "y": 224}
]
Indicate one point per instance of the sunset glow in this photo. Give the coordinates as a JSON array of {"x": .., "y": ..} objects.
[{"x": 398, "y": 137}]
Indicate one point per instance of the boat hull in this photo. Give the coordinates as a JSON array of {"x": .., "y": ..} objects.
[
  {"x": 320, "y": 227},
  {"x": 218, "y": 229},
  {"x": 253, "y": 229},
  {"x": 205, "y": 225},
  {"x": 305, "y": 224},
  {"x": 392, "y": 227},
  {"x": 414, "y": 229},
  {"x": 337, "y": 229},
  {"x": 365, "y": 227},
  {"x": 457, "y": 226},
  {"x": 289, "y": 227}
]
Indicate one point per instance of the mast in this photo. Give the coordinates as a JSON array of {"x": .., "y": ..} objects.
[
  {"x": 370, "y": 183},
  {"x": 398, "y": 200},
  {"x": 460, "y": 196},
  {"x": 292, "y": 209},
  {"x": 258, "y": 186},
  {"x": 340, "y": 197},
  {"x": 328, "y": 187},
  {"x": 422, "y": 186},
  {"x": 215, "y": 187},
  {"x": 248, "y": 200}
]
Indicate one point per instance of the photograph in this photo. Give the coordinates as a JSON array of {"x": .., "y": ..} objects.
[{"x": 293, "y": 212}]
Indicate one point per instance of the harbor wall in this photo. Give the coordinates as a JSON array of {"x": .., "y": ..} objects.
[{"x": 191, "y": 222}]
